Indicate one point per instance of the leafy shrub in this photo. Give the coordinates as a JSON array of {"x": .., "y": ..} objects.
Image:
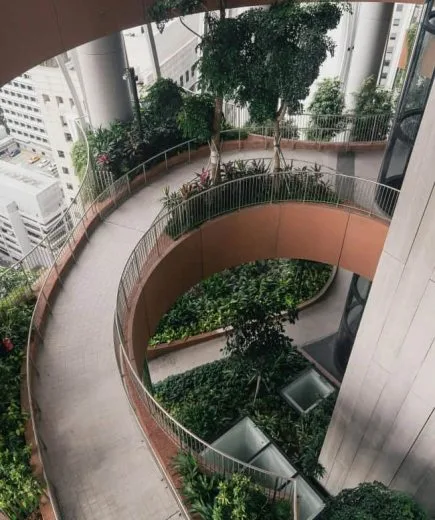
[
  {"x": 191, "y": 205},
  {"x": 19, "y": 491},
  {"x": 209, "y": 399},
  {"x": 372, "y": 501},
  {"x": 207, "y": 305},
  {"x": 373, "y": 111},
  {"x": 327, "y": 108},
  {"x": 214, "y": 498}
]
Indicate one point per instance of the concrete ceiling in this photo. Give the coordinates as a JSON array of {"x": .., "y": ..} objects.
[{"x": 32, "y": 31}]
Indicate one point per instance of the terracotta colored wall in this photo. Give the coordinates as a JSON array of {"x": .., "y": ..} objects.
[
  {"x": 289, "y": 230},
  {"x": 49, "y": 27}
]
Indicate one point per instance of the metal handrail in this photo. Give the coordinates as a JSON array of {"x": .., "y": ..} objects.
[
  {"x": 361, "y": 198},
  {"x": 47, "y": 256}
]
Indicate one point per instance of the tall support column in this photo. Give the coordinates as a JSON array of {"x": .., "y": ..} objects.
[
  {"x": 103, "y": 64},
  {"x": 372, "y": 27},
  {"x": 383, "y": 426}
]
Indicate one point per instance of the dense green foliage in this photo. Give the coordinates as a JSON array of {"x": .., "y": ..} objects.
[
  {"x": 372, "y": 501},
  {"x": 209, "y": 399},
  {"x": 274, "y": 74},
  {"x": 214, "y": 498},
  {"x": 208, "y": 305},
  {"x": 294, "y": 183},
  {"x": 195, "y": 119},
  {"x": 374, "y": 100},
  {"x": 160, "y": 106},
  {"x": 328, "y": 100},
  {"x": 19, "y": 491}
]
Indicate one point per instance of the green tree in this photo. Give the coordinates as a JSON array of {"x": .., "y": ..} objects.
[
  {"x": 195, "y": 118},
  {"x": 372, "y": 501},
  {"x": 257, "y": 332},
  {"x": 214, "y": 51},
  {"x": 328, "y": 101},
  {"x": 373, "y": 112},
  {"x": 280, "y": 53}
]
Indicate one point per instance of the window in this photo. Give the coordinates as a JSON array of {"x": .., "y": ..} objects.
[
  {"x": 393, "y": 36},
  {"x": 29, "y": 87},
  {"x": 26, "y": 97},
  {"x": 15, "y": 84},
  {"x": 60, "y": 153},
  {"x": 12, "y": 93},
  {"x": 384, "y": 75},
  {"x": 26, "y": 76},
  {"x": 36, "y": 110},
  {"x": 68, "y": 137},
  {"x": 71, "y": 102},
  {"x": 399, "y": 7},
  {"x": 181, "y": 81},
  {"x": 63, "y": 121},
  {"x": 44, "y": 141},
  {"x": 26, "y": 134},
  {"x": 389, "y": 49},
  {"x": 187, "y": 76},
  {"x": 32, "y": 118},
  {"x": 65, "y": 169},
  {"x": 33, "y": 99},
  {"x": 192, "y": 71},
  {"x": 59, "y": 100},
  {"x": 69, "y": 186},
  {"x": 396, "y": 22},
  {"x": 387, "y": 63},
  {"x": 45, "y": 98}
]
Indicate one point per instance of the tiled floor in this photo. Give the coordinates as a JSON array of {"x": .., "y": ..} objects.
[{"x": 96, "y": 455}]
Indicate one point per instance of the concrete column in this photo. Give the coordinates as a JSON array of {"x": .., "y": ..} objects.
[
  {"x": 102, "y": 64},
  {"x": 383, "y": 426},
  {"x": 372, "y": 21}
]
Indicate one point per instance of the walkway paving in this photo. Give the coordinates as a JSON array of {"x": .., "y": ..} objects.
[{"x": 101, "y": 466}]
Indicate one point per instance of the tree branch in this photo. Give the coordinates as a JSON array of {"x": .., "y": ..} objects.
[{"x": 188, "y": 28}]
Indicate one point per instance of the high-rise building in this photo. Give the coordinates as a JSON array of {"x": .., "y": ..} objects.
[{"x": 31, "y": 207}]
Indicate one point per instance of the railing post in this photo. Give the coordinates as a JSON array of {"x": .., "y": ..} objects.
[
  {"x": 124, "y": 293},
  {"x": 295, "y": 501},
  {"x": 136, "y": 262},
  {"x": 157, "y": 242},
  {"x": 166, "y": 160},
  {"x": 240, "y": 141},
  {"x": 188, "y": 151}
]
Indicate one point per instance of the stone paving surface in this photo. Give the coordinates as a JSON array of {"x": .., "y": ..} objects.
[{"x": 96, "y": 455}]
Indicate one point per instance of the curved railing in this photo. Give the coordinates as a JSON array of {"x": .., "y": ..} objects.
[
  {"x": 300, "y": 182},
  {"x": 96, "y": 197}
]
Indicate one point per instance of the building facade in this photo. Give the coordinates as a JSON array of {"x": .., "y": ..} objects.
[{"x": 32, "y": 207}]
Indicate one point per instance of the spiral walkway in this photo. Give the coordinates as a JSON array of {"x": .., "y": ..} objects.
[{"x": 97, "y": 458}]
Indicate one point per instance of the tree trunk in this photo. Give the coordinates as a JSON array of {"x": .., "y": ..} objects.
[
  {"x": 276, "y": 145},
  {"x": 215, "y": 144},
  {"x": 277, "y": 137}
]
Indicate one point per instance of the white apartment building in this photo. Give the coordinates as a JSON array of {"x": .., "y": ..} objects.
[
  {"x": 22, "y": 114},
  {"x": 60, "y": 116},
  {"x": 176, "y": 50},
  {"x": 404, "y": 15},
  {"x": 40, "y": 113},
  {"x": 32, "y": 206}
]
